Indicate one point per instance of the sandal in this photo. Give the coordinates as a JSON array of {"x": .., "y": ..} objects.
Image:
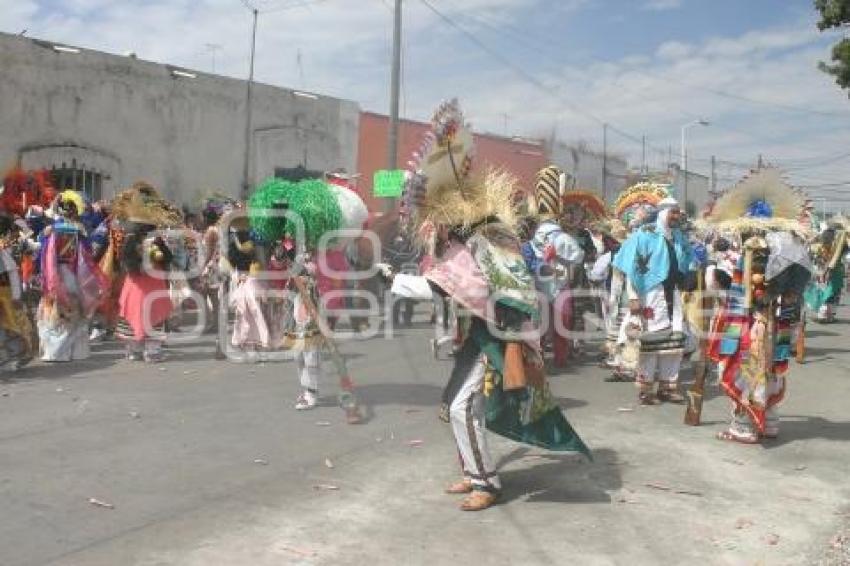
[
  {"x": 671, "y": 396},
  {"x": 479, "y": 500},
  {"x": 461, "y": 487},
  {"x": 647, "y": 399},
  {"x": 730, "y": 436}
]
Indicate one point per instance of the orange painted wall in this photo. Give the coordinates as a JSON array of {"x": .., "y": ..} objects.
[{"x": 522, "y": 158}]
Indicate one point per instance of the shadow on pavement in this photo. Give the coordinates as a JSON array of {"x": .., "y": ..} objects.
[
  {"x": 560, "y": 478},
  {"x": 795, "y": 428}
]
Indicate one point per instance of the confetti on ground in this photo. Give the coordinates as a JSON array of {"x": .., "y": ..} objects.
[
  {"x": 661, "y": 487},
  {"x": 189, "y": 372},
  {"x": 731, "y": 461},
  {"x": 743, "y": 523},
  {"x": 411, "y": 411},
  {"x": 328, "y": 463},
  {"x": 135, "y": 415},
  {"x": 415, "y": 443},
  {"x": 99, "y": 503},
  {"x": 261, "y": 462},
  {"x": 625, "y": 409},
  {"x": 323, "y": 423},
  {"x": 772, "y": 539},
  {"x": 298, "y": 551},
  {"x": 326, "y": 487}
]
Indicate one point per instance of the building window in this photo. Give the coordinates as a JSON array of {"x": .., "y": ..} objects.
[{"x": 78, "y": 178}]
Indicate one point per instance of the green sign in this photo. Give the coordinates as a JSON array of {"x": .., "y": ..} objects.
[{"x": 388, "y": 183}]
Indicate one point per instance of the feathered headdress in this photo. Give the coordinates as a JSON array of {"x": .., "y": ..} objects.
[
  {"x": 761, "y": 201},
  {"x": 310, "y": 202},
  {"x": 440, "y": 189},
  {"x": 72, "y": 198},
  {"x": 593, "y": 206},
  {"x": 143, "y": 204},
  {"x": 22, "y": 189},
  {"x": 640, "y": 194}
]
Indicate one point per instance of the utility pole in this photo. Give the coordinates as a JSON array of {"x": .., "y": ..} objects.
[
  {"x": 212, "y": 48},
  {"x": 643, "y": 170},
  {"x": 249, "y": 107},
  {"x": 395, "y": 83},
  {"x": 605, "y": 163},
  {"x": 669, "y": 157},
  {"x": 760, "y": 163}
]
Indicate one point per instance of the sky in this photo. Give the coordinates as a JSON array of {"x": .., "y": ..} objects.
[{"x": 532, "y": 68}]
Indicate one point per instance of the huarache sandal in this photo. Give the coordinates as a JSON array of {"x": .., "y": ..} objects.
[
  {"x": 461, "y": 487},
  {"x": 479, "y": 500},
  {"x": 730, "y": 436}
]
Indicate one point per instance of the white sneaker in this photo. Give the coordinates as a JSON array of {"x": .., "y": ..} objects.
[
  {"x": 97, "y": 335},
  {"x": 306, "y": 401}
]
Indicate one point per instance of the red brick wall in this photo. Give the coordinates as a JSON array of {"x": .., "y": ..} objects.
[{"x": 522, "y": 158}]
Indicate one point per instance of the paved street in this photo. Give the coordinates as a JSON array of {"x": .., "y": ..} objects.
[{"x": 206, "y": 463}]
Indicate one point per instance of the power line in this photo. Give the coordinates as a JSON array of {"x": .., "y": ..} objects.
[{"x": 653, "y": 76}]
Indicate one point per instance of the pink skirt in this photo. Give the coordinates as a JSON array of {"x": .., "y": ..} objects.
[{"x": 138, "y": 308}]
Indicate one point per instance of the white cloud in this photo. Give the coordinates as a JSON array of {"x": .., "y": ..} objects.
[
  {"x": 345, "y": 52},
  {"x": 662, "y": 5}
]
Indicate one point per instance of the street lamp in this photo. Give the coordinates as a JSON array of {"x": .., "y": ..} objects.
[{"x": 684, "y": 161}]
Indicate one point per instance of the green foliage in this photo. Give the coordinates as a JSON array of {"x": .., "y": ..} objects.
[{"x": 836, "y": 14}]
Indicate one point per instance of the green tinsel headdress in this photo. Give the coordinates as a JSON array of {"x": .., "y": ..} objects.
[{"x": 311, "y": 200}]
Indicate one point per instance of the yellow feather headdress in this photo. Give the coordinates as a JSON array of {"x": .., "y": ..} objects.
[{"x": 761, "y": 201}]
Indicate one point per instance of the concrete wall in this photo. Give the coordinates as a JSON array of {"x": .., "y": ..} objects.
[
  {"x": 131, "y": 120},
  {"x": 585, "y": 165}
]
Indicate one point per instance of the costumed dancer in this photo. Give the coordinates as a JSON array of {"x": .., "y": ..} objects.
[
  {"x": 144, "y": 304},
  {"x": 751, "y": 341},
  {"x": 656, "y": 260},
  {"x": 828, "y": 250},
  {"x": 635, "y": 207},
  {"x": 313, "y": 211},
  {"x": 553, "y": 256},
  {"x": 72, "y": 284},
  {"x": 16, "y": 333},
  {"x": 579, "y": 211},
  {"x": 497, "y": 380}
]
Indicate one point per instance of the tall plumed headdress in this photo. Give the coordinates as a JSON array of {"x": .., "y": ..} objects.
[
  {"x": 441, "y": 190},
  {"x": 142, "y": 204},
  {"x": 549, "y": 187},
  {"x": 309, "y": 203},
  {"x": 761, "y": 201}
]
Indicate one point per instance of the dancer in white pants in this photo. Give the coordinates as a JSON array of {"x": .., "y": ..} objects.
[{"x": 467, "y": 420}]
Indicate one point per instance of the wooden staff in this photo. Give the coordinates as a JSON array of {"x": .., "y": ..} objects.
[{"x": 347, "y": 399}]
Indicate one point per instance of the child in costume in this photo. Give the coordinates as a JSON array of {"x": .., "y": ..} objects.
[
  {"x": 312, "y": 210},
  {"x": 497, "y": 380}
]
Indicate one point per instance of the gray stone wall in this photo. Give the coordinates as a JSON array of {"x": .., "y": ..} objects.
[{"x": 131, "y": 120}]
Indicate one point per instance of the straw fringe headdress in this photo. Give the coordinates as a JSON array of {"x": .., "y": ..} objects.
[
  {"x": 143, "y": 204},
  {"x": 441, "y": 190}
]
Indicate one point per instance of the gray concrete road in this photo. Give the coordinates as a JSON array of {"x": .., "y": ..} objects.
[{"x": 206, "y": 463}]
